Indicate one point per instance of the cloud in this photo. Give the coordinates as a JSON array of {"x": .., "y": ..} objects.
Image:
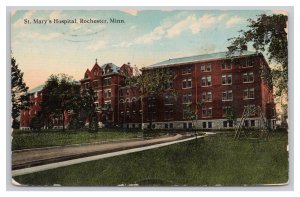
[
  {"x": 132, "y": 12},
  {"x": 39, "y": 36},
  {"x": 156, "y": 34},
  {"x": 233, "y": 21},
  {"x": 169, "y": 29},
  {"x": 55, "y": 15},
  {"x": 20, "y": 22},
  {"x": 194, "y": 24},
  {"x": 191, "y": 23},
  {"x": 284, "y": 12},
  {"x": 101, "y": 44}
]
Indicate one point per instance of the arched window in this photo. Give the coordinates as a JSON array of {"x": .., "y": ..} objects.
[
  {"x": 134, "y": 104},
  {"x": 127, "y": 104},
  {"x": 121, "y": 104}
]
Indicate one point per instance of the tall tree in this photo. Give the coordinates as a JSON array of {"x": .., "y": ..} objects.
[
  {"x": 19, "y": 96},
  {"x": 59, "y": 95},
  {"x": 268, "y": 33},
  {"x": 151, "y": 83}
]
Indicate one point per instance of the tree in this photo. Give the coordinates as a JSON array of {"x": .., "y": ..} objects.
[
  {"x": 60, "y": 93},
  {"x": 151, "y": 83},
  {"x": 268, "y": 33},
  {"x": 88, "y": 108},
  {"x": 19, "y": 96}
]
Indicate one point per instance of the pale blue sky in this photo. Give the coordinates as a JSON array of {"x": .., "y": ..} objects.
[{"x": 147, "y": 37}]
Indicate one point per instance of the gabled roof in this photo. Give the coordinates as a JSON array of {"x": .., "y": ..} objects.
[
  {"x": 199, "y": 58},
  {"x": 36, "y": 89}
]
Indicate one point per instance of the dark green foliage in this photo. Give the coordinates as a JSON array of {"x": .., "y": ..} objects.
[
  {"x": 152, "y": 83},
  {"x": 60, "y": 94},
  {"x": 76, "y": 122},
  {"x": 19, "y": 96},
  {"x": 268, "y": 33},
  {"x": 93, "y": 126},
  {"x": 36, "y": 123},
  {"x": 15, "y": 124},
  {"x": 214, "y": 160}
]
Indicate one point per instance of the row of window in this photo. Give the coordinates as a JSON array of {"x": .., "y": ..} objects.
[
  {"x": 225, "y": 66},
  {"x": 205, "y": 125},
  {"x": 226, "y": 80},
  {"x": 207, "y": 96}
]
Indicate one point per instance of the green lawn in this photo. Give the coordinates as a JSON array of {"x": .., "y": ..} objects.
[
  {"x": 214, "y": 160},
  {"x": 25, "y": 139}
]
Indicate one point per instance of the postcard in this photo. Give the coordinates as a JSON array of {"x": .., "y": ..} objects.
[{"x": 139, "y": 97}]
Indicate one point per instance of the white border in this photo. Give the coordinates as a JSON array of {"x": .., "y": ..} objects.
[{"x": 149, "y": 3}]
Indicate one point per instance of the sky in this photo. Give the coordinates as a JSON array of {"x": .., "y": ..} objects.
[{"x": 146, "y": 37}]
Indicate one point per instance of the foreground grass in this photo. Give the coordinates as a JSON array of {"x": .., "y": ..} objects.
[
  {"x": 23, "y": 140},
  {"x": 214, "y": 160}
]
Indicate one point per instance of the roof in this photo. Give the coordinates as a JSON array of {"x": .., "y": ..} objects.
[
  {"x": 199, "y": 58},
  {"x": 36, "y": 89},
  {"x": 40, "y": 87},
  {"x": 115, "y": 68}
]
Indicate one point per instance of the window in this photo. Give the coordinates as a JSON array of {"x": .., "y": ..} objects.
[
  {"x": 226, "y": 79},
  {"x": 121, "y": 93},
  {"x": 127, "y": 104},
  {"x": 206, "y": 67},
  {"x": 187, "y": 83},
  {"x": 95, "y": 73},
  {"x": 95, "y": 83},
  {"x": 87, "y": 85},
  {"x": 107, "y": 81},
  {"x": 206, "y": 111},
  {"x": 206, "y": 81},
  {"x": 226, "y": 110},
  {"x": 252, "y": 123},
  {"x": 134, "y": 107},
  {"x": 209, "y": 125},
  {"x": 107, "y": 104},
  {"x": 121, "y": 105},
  {"x": 166, "y": 126},
  {"x": 251, "y": 109},
  {"x": 225, "y": 124},
  {"x": 168, "y": 100},
  {"x": 187, "y": 70},
  {"x": 168, "y": 114},
  {"x": 249, "y": 93},
  {"x": 204, "y": 125},
  {"x": 248, "y": 77},
  {"x": 107, "y": 93},
  {"x": 187, "y": 98},
  {"x": 171, "y": 125},
  {"x": 227, "y": 95},
  {"x": 96, "y": 93},
  {"x": 127, "y": 92},
  {"x": 248, "y": 62},
  {"x": 206, "y": 96},
  {"x": 190, "y": 125},
  {"x": 226, "y": 65}
]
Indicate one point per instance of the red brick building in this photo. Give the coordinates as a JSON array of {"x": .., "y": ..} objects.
[{"x": 219, "y": 83}]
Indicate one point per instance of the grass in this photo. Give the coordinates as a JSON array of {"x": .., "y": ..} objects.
[
  {"x": 23, "y": 140},
  {"x": 215, "y": 160}
]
